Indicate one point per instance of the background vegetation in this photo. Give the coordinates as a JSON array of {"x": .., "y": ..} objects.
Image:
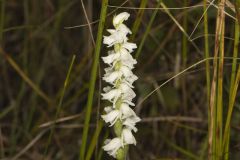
[{"x": 187, "y": 92}]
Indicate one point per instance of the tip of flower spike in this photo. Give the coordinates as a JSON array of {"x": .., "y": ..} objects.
[{"x": 120, "y": 18}]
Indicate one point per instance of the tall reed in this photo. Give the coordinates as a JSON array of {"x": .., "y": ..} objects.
[
  {"x": 234, "y": 81},
  {"x": 93, "y": 79}
]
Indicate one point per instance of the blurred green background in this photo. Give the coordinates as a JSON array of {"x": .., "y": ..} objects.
[{"x": 38, "y": 39}]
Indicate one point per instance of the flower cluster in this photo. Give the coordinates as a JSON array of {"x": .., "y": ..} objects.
[{"x": 120, "y": 91}]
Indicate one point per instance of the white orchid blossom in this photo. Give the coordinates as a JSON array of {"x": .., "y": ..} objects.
[
  {"x": 112, "y": 146},
  {"x": 126, "y": 111},
  {"x": 112, "y": 57},
  {"x": 120, "y": 18},
  {"x": 112, "y": 95},
  {"x": 130, "y": 122},
  {"x": 129, "y": 46},
  {"x": 123, "y": 113},
  {"x": 112, "y": 116},
  {"x": 120, "y": 92},
  {"x": 116, "y": 37},
  {"x": 122, "y": 56},
  {"x": 112, "y": 76},
  {"x": 127, "y": 136}
]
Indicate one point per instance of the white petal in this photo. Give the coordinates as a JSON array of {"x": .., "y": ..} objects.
[
  {"x": 120, "y": 18},
  {"x": 128, "y": 137},
  {"x": 126, "y": 71},
  {"x": 108, "y": 40},
  {"x": 110, "y": 78},
  {"x": 123, "y": 28},
  {"x": 127, "y": 92},
  {"x": 111, "y": 117},
  {"x": 116, "y": 37},
  {"x": 131, "y": 122},
  {"x": 128, "y": 102},
  {"x": 129, "y": 84},
  {"x": 112, "y": 146},
  {"x": 129, "y": 46},
  {"x": 131, "y": 79},
  {"x": 106, "y": 141},
  {"x": 126, "y": 111},
  {"x": 112, "y": 95},
  {"x": 108, "y": 109},
  {"x": 128, "y": 98},
  {"x": 108, "y": 70},
  {"x": 126, "y": 55},
  {"x": 111, "y": 58},
  {"x": 125, "y": 88},
  {"x": 107, "y": 89},
  {"x": 111, "y": 31},
  {"x": 127, "y": 59}
]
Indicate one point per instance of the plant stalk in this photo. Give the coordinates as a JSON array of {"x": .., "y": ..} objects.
[{"x": 93, "y": 79}]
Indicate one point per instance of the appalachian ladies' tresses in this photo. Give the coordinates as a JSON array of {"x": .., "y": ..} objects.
[{"x": 120, "y": 92}]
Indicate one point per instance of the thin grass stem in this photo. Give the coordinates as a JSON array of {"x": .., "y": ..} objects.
[
  {"x": 59, "y": 105},
  {"x": 93, "y": 79},
  {"x": 138, "y": 19},
  {"x": 233, "y": 88},
  {"x": 207, "y": 64},
  {"x": 94, "y": 140},
  {"x": 25, "y": 77},
  {"x": 226, "y": 135},
  {"x": 147, "y": 30}
]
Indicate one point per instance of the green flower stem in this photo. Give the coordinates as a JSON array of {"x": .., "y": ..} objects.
[
  {"x": 121, "y": 153},
  {"x": 118, "y": 128},
  {"x": 118, "y": 131}
]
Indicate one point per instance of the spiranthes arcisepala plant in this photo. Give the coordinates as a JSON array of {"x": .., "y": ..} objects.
[{"x": 119, "y": 92}]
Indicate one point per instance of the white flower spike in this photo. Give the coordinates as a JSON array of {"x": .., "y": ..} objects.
[{"x": 120, "y": 92}]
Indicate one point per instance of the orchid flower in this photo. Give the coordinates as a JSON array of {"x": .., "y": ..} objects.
[{"x": 119, "y": 93}]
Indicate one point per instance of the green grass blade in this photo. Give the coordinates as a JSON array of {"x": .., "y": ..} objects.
[
  {"x": 94, "y": 140},
  {"x": 235, "y": 54},
  {"x": 226, "y": 135},
  {"x": 59, "y": 105},
  {"x": 147, "y": 30},
  {"x": 93, "y": 78},
  {"x": 219, "y": 112},
  {"x": 233, "y": 86},
  {"x": 207, "y": 64},
  {"x": 25, "y": 77},
  {"x": 216, "y": 100},
  {"x": 138, "y": 19},
  {"x": 180, "y": 149},
  {"x": 206, "y": 48}
]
